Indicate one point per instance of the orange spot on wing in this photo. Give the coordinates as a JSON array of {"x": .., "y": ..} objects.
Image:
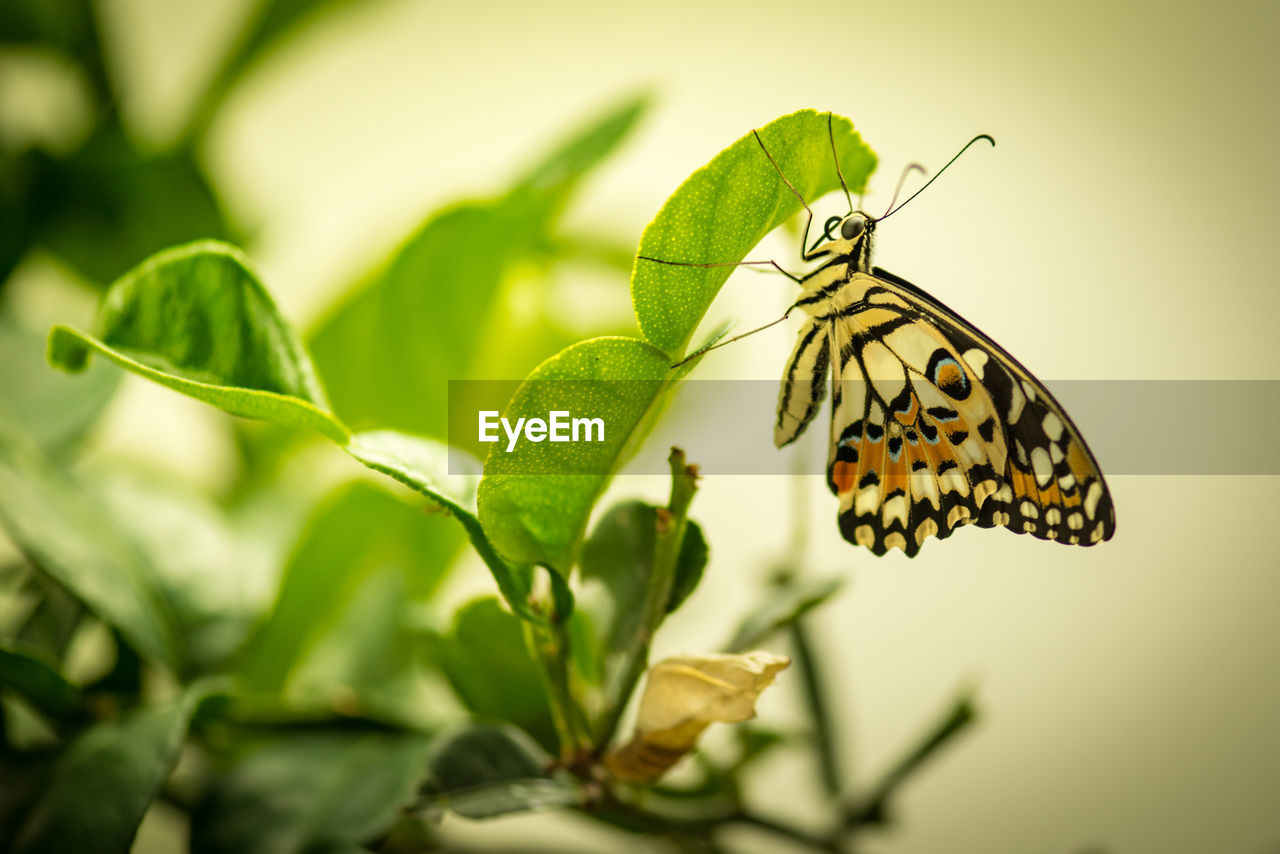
[
  {"x": 949, "y": 375},
  {"x": 897, "y": 475},
  {"x": 871, "y": 457},
  {"x": 1051, "y": 497},
  {"x": 842, "y": 474},
  {"x": 1024, "y": 485}
]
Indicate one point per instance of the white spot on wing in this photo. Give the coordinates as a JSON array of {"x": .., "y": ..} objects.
[
  {"x": 924, "y": 530},
  {"x": 977, "y": 360},
  {"x": 1091, "y": 500},
  {"x": 1052, "y": 426},
  {"x": 895, "y": 508},
  {"x": 1016, "y": 402},
  {"x": 867, "y": 501},
  {"x": 1042, "y": 467}
]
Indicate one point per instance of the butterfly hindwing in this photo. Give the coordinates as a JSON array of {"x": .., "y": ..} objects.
[{"x": 914, "y": 449}]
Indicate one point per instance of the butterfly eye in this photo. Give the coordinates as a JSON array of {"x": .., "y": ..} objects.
[
  {"x": 826, "y": 229},
  {"x": 852, "y": 227}
]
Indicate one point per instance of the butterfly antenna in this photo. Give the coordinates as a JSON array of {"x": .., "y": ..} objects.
[
  {"x": 892, "y": 210},
  {"x": 790, "y": 186},
  {"x": 695, "y": 354},
  {"x": 835, "y": 155},
  {"x": 902, "y": 179}
]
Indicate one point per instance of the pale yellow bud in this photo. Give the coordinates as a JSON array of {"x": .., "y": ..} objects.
[{"x": 683, "y": 694}]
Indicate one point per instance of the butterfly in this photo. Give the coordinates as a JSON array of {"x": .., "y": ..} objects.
[{"x": 934, "y": 426}]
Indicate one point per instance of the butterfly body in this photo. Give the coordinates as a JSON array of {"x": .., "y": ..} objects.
[{"x": 934, "y": 426}]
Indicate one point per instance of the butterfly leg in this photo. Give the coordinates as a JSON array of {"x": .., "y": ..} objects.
[
  {"x": 792, "y": 276},
  {"x": 706, "y": 350}
]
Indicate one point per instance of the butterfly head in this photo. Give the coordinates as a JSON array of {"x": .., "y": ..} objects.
[{"x": 851, "y": 235}]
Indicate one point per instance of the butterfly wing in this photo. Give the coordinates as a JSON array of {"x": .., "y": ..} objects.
[
  {"x": 936, "y": 426},
  {"x": 804, "y": 383},
  {"x": 914, "y": 452}
]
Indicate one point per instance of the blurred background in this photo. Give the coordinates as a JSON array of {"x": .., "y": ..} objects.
[{"x": 1120, "y": 230}]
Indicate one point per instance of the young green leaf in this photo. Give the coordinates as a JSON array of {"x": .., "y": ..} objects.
[
  {"x": 534, "y": 501},
  {"x": 53, "y": 410},
  {"x": 783, "y": 606},
  {"x": 726, "y": 208},
  {"x": 435, "y": 309},
  {"x": 485, "y": 659},
  {"x": 357, "y": 531},
  {"x": 619, "y": 554},
  {"x": 102, "y": 784},
  {"x": 196, "y": 319},
  {"x": 109, "y": 203},
  {"x": 31, "y": 676},
  {"x": 197, "y": 561},
  {"x": 423, "y": 465},
  {"x": 303, "y": 792},
  {"x": 267, "y": 26},
  {"x": 69, "y": 537},
  {"x": 486, "y": 770}
]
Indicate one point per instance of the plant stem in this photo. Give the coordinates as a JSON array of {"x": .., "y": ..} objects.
[
  {"x": 671, "y": 524},
  {"x": 874, "y": 808},
  {"x": 549, "y": 645},
  {"x": 635, "y": 819},
  {"x": 815, "y": 696}
]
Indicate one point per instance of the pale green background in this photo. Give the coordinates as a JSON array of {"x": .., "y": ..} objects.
[{"x": 1124, "y": 227}]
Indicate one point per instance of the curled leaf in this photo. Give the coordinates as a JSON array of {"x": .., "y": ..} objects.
[{"x": 682, "y": 696}]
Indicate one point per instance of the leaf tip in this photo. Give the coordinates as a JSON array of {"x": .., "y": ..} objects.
[{"x": 66, "y": 350}]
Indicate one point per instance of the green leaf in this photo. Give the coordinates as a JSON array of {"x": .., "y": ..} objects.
[
  {"x": 271, "y": 23},
  {"x": 438, "y": 308},
  {"x": 784, "y": 605},
  {"x": 102, "y": 784},
  {"x": 726, "y": 208},
  {"x": 690, "y": 563},
  {"x": 555, "y": 177},
  {"x": 69, "y": 537},
  {"x": 109, "y": 204},
  {"x": 196, "y": 561},
  {"x": 365, "y": 661},
  {"x": 40, "y": 683},
  {"x": 486, "y": 661},
  {"x": 424, "y": 465},
  {"x": 197, "y": 320},
  {"x": 53, "y": 410},
  {"x": 357, "y": 532},
  {"x": 67, "y": 26},
  {"x": 619, "y": 554},
  {"x": 484, "y": 770},
  {"x": 534, "y": 501},
  {"x": 308, "y": 792}
]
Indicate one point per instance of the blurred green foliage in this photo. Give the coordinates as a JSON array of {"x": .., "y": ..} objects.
[{"x": 291, "y": 672}]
